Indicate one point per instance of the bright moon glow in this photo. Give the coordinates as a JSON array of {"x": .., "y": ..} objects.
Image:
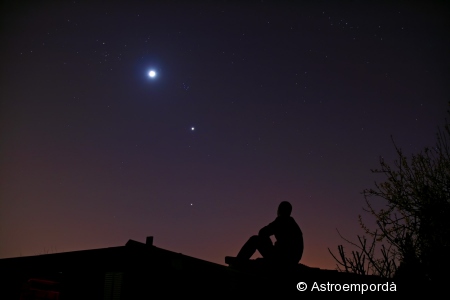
[{"x": 152, "y": 74}]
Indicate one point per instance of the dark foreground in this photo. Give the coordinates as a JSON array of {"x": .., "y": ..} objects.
[{"x": 143, "y": 271}]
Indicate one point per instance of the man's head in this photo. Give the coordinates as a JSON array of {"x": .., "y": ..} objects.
[{"x": 284, "y": 209}]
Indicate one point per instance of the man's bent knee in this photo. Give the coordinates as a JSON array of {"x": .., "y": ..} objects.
[{"x": 254, "y": 239}]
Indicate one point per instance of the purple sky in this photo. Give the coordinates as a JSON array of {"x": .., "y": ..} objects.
[{"x": 288, "y": 102}]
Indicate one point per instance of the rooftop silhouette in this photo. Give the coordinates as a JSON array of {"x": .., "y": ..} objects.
[{"x": 138, "y": 270}]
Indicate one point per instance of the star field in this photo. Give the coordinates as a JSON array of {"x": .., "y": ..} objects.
[{"x": 251, "y": 104}]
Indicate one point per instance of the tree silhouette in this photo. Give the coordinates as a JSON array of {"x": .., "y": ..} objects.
[{"x": 412, "y": 235}]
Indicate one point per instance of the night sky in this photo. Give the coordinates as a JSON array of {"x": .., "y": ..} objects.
[{"x": 252, "y": 104}]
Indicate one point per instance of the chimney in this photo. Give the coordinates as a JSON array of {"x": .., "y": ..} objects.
[{"x": 149, "y": 241}]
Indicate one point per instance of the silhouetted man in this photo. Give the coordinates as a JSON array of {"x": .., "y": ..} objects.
[{"x": 288, "y": 248}]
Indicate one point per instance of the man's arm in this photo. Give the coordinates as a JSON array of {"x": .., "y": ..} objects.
[{"x": 267, "y": 230}]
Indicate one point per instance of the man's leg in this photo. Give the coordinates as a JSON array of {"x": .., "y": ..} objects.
[{"x": 262, "y": 244}]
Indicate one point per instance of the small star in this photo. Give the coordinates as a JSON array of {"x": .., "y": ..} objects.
[{"x": 192, "y": 128}]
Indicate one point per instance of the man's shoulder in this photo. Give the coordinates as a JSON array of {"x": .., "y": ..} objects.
[
  {"x": 285, "y": 220},
  {"x": 290, "y": 221}
]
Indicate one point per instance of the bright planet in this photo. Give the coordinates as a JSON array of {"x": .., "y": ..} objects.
[{"x": 152, "y": 74}]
